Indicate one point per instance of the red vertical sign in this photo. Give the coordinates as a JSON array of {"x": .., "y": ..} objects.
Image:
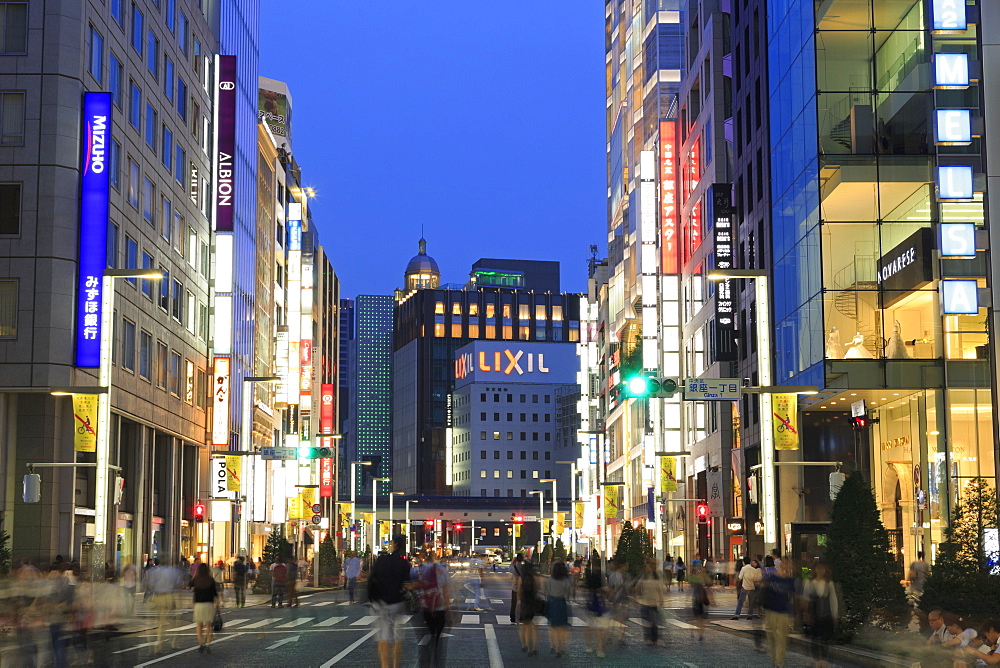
[
  {"x": 326, "y": 410},
  {"x": 668, "y": 197},
  {"x": 692, "y": 226},
  {"x": 326, "y": 473}
]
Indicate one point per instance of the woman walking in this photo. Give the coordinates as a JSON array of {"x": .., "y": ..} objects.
[
  {"x": 701, "y": 599},
  {"x": 822, "y": 614},
  {"x": 650, "y": 596},
  {"x": 527, "y": 597},
  {"x": 668, "y": 571},
  {"x": 206, "y": 602},
  {"x": 597, "y": 609},
  {"x": 679, "y": 573},
  {"x": 557, "y": 589}
]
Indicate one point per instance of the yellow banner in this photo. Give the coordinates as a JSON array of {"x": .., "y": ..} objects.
[
  {"x": 785, "y": 421},
  {"x": 233, "y": 470},
  {"x": 309, "y": 496},
  {"x": 85, "y": 422},
  {"x": 345, "y": 515},
  {"x": 578, "y": 514},
  {"x": 611, "y": 502},
  {"x": 560, "y": 523},
  {"x": 368, "y": 518},
  {"x": 668, "y": 474},
  {"x": 295, "y": 508},
  {"x": 517, "y": 530}
]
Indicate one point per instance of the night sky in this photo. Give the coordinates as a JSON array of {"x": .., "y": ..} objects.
[{"x": 481, "y": 121}]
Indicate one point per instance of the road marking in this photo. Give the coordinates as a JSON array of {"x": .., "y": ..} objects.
[
  {"x": 185, "y": 651},
  {"x": 283, "y": 642},
  {"x": 257, "y": 625},
  {"x": 541, "y": 621},
  {"x": 496, "y": 601},
  {"x": 503, "y": 620},
  {"x": 364, "y": 621},
  {"x": 234, "y": 622},
  {"x": 427, "y": 638},
  {"x": 345, "y": 603},
  {"x": 681, "y": 625},
  {"x": 331, "y": 621},
  {"x": 576, "y": 621},
  {"x": 320, "y": 605},
  {"x": 306, "y": 596},
  {"x": 350, "y": 648},
  {"x": 145, "y": 644},
  {"x": 470, "y": 619},
  {"x": 184, "y": 628},
  {"x": 637, "y": 620},
  {"x": 494, "y": 649},
  {"x": 295, "y": 622}
]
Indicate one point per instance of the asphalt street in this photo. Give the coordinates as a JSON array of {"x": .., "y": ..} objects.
[{"x": 327, "y": 631}]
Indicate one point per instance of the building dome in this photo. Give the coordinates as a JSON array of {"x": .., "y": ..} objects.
[{"x": 422, "y": 271}]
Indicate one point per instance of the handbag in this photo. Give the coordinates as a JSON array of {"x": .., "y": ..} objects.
[{"x": 217, "y": 621}]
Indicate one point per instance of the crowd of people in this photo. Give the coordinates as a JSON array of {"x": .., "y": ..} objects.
[{"x": 953, "y": 641}]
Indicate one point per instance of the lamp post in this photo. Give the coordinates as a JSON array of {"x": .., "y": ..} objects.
[
  {"x": 572, "y": 500},
  {"x": 541, "y": 520},
  {"x": 408, "y": 531},
  {"x": 354, "y": 492},
  {"x": 103, "y": 448},
  {"x": 392, "y": 519},
  {"x": 246, "y": 444},
  {"x": 375, "y": 531},
  {"x": 555, "y": 507}
]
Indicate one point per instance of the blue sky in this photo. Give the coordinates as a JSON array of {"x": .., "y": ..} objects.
[{"x": 481, "y": 121}]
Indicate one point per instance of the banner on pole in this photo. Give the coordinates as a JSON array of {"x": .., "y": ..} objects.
[
  {"x": 233, "y": 464},
  {"x": 85, "y": 422},
  {"x": 785, "y": 421},
  {"x": 668, "y": 474},
  {"x": 611, "y": 502}
]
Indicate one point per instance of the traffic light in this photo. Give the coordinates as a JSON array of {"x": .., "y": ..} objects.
[
  {"x": 650, "y": 387},
  {"x": 429, "y": 524},
  {"x": 309, "y": 452},
  {"x": 702, "y": 512},
  {"x": 199, "y": 512},
  {"x": 519, "y": 519},
  {"x": 862, "y": 422},
  {"x": 457, "y": 526}
]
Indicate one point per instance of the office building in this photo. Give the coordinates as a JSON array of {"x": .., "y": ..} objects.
[{"x": 372, "y": 402}]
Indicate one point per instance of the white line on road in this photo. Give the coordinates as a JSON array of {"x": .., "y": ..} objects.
[
  {"x": 494, "y": 649},
  {"x": 503, "y": 620},
  {"x": 184, "y": 628},
  {"x": 284, "y": 641},
  {"x": 234, "y": 622},
  {"x": 185, "y": 651},
  {"x": 320, "y": 605},
  {"x": 295, "y": 622},
  {"x": 257, "y": 625},
  {"x": 574, "y": 621},
  {"x": 331, "y": 621},
  {"x": 496, "y": 601},
  {"x": 350, "y": 648},
  {"x": 470, "y": 619},
  {"x": 145, "y": 644},
  {"x": 364, "y": 621},
  {"x": 681, "y": 625}
]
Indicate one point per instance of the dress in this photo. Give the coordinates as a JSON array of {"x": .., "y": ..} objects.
[{"x": 558, "y": 609}]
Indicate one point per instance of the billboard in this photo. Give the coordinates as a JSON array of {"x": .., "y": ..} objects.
[
  {"x": 273, "y": 109},
  {"x": 669, "y": 256},
  {"x": 220, "y": 402},
  {"x": 516, "y": 362},
  {"x": 94, "y": 183},
  {"x": 725, "y": 309},
  {"x": 224, "y": 203}
]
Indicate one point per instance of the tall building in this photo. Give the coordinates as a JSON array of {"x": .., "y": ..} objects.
[
  {"x": 430, "y": 325},
  {"x": 144, "y": 205},
  {"x": 347, "y": 386},
  {"x": 373, "y": 395}
]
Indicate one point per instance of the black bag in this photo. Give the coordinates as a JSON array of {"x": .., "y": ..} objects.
[{"x": 217, "y": 621}]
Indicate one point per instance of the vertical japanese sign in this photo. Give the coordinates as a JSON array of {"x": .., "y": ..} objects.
[
  {"x": 560, "y": 523},
  {"x": 785, "y": 421},
  {"x": 85, "y": 422},
  {"x": 344, "y": 509},
  {"x": 725, "y": 320},
  {"x": 692, "y": 228},
  {"x": 220, "y": 478},
  {"x": 669, "y": 261},
  {"x": 225, "y": 143},
  {"x": 611, "y": 502},
  {"x": 93, "y": 258},
  {"x": 220, "y": 402},
  {"x": 668, "y": 474},
  {"x": 716, "y": 507},
  {"x": 326, "y": 409},
  {"x": 234, "y": 466},
  {"x": 578, "y": 509},
  {"x": 326, "y": 476}
]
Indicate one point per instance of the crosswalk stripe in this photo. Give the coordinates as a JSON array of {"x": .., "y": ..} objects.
[
  {"x": 637, "y": 620},
  {"x": 679, "y": 624},
  {"x": 503, "y": 620},
  {"x": 234, "y": 622},
  {"x": 345, "y": 603},
  {"x": 295, "y": 622},
  {"x": 184, "y": 628},
  {"x": 331, "y": 621},
  {"x": 576, "y": 621},
  {"x": 364, "y": 621},
  {"x": 540, "y": 621},
  {"x": 470, "y": 619},
  {"x": 320, "y": 605},
  {"x": 497, "y": 601},
  {"x": 263, "y": 622},
  {"x": 129, "y": 649}
]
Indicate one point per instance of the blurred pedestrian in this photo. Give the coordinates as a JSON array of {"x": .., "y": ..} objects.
[
  {"x": 597, "y": 610},
  {"x": 822, "y": 612},
  {"x": 161, "y": 584},
  {"x": 240, "y": 581},
  {"x": 680, "y": 572},
  {"x": 279, "y": 578},
  {"x": 986, "y": 653},
  {"x": 529, "y": 605},
  {"x": 352, "y": 570},
  {"x": 389, "y": 576},
  {"x": 129, "y": 581},
  {"x": 701, "y": 598},
  {"x": 747, "y": 581},
  {"x": 207, "y": 599},
  {"x": 515, "y": 575},
  {"x": 618, "y": 597},
  {"x": 917, "y": 575},
  {"x": 778, "y": 590},
  {"x": 668, "y": 571},
  {"x": 557, "y": 590},
  {"x": 476, "y": 585},
  {"x": 292, "y": 584},
  {"x": 435, "y": 599},
  {"x": 650, "y": 595}
]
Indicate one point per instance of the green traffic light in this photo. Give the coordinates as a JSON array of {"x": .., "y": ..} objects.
[
  {"x": 305, "y": 452},
  {"x": 638, "y": 386}
]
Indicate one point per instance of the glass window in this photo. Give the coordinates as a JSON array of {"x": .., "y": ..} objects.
[
  {"x": 180, "y": 159},
  {"x": 133, "y": 183},
  {"x": 153, "y": 54},
  {"x": 145, "y": 354},
  {"x": 482, "y": 473},
  {"x": 131, "y": 256},
  {"x": 166, "y": 147},
  {"x": 438, "y": 308},
  {"x": 113, "y": 239},
  {"x": 539, "y": 311},
  {"x": 116, "y": 12},
  {"x": 137, "y": 29},
  {"x": 10, "y": 208},
  {"x": 96, "y": 59},
  {"x": 135, "y": 105},
  {"x": 182, "y": 32},
  {"x": 151, "y": 126},
  {"x": 115, "y": 79},
  {"x": 182, "y": 99},
  {"x": 147, "y": 285},
  {"x": 171, "y": 14},
  {"x": 13, "y": 27},
  {"x": 148, "y": 193},
  {"x": 176, "y": 234},
  {"x": 177, "y": 300},
  {"x": 496, "y": 436},
  {"x": 11, "y": 118},
  {"x": 161, "y": 365},
  {"x": 168, "y": 78},
  {"x": 128, "y": 345}
]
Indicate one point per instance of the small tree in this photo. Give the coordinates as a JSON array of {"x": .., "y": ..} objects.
[
  {"x": 560, "y": 550},
  {"x": 329, "y": 563},
  {"x": 621, "y": 551},
  {"x": 640, "y": 551},
  {"x": 863, "y": 567},
  {"x": 275, "y": 549},
  {"x": 547, "y": 553},
  {"x": 961, "y": 580}
]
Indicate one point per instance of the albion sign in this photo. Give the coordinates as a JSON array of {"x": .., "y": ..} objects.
[{"x": 507, "y": 361}]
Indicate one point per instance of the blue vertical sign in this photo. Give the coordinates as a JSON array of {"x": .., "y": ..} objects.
[{"x": 93, "y": 260}]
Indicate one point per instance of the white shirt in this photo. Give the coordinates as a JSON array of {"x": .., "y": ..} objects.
[{"x": 750, "y": 576}]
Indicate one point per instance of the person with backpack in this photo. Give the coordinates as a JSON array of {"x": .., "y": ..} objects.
[
  {"x": 389, "y": 577},
  {"x": 822, "y": 612},
  {"x": 436, "y": 603},
  {"x": 279, "y": 578}
]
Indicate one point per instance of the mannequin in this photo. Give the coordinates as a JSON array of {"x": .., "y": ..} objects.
[
  {"x": 856, "y": 348},
  {"x": 833, "y": 344},
  {"x": 896, "y": 349}
]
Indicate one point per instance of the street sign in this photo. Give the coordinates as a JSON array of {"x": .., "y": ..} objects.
[
  {"x": 416, "y": 521},
  {"x": 531, "y": 518},
  {"x": 316, "y": 519},
  {"x": 712, "y": 389},
  {"x": 317, "y": 508},
  {"x": 278, "y": 453}
]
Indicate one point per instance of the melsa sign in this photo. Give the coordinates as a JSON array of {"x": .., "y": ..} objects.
[{"x": 507, "y": 362}]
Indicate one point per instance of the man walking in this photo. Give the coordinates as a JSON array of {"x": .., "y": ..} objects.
[
  {"x": 436, "y": 602},
  {"x": 352, "y": 569},
  {"x": 240, "y": 581},
  {"x": 747, "y": 581},
  {"x": 388, "y": 577},
  {"x": 279, "y": 577},
  {"x": 161, "y": 583},
  {"x": 917, "y": 575}
]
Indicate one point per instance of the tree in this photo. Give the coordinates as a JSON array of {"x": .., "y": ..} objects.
[
  {"x": 863, "y": 567},
  {"x": 329, "y": 564},
  {"x": 276, "y": 549},
  {"x": 640, "y": 551},
  {"x": 547, "y": 553},
  {"x": 560, "y": 550},
  {"x": 621, "y": 551},
  {"x": 273, "y": 548},
  {"x": 961, "y": 580}
]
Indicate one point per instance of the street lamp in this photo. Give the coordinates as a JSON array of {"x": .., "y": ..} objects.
[
  {"x": 408, "y": 532},
  {"x": 375, "y": 531},
  {"x": 541, "y": 519},
  {"x": 392, "y": 520},
  {"x": 354, "y": 491},
  {"x": 572, "y": 500},
  {"x": 102, "y": 451}
]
